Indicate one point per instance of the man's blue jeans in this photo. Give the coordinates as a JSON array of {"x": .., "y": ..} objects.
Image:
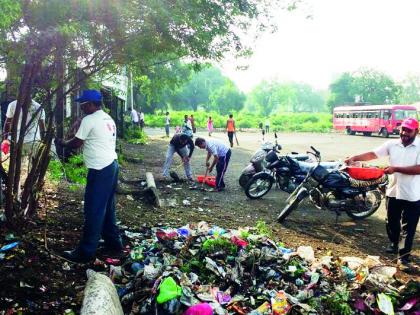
[{"x": 99, "y": 211}]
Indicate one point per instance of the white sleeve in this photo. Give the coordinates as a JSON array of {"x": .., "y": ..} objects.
[
  {"x": 383, "y": 150},
  {"x": 84, "y": 129},
  {"x": 11, "y": 109}
]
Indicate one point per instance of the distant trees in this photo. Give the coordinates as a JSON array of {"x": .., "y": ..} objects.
[
  {"x": 366, "y": 85},
  {"x": 268, "y": 97}
]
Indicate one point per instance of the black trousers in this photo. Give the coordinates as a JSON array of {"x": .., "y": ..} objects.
[
  {"x": 405, "y": 213},
  {"x": 230, "y": 136}
]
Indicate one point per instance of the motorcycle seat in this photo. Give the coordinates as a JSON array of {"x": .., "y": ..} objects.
[
  {"x": 299, "y": 156},
  {"x": 307, "y": 166}
]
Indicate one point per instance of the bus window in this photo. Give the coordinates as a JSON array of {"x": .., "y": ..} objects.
[
  {"x": 401, "y": 114},
  {"x": 376, "y": 114},
  {"x": 348, "y": 115}
]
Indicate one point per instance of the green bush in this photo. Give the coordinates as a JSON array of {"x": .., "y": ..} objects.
[
  {"x": 286, "y": 122},
  {"x": 135, "y": 135},
  {"x": 74, "y": 170}
]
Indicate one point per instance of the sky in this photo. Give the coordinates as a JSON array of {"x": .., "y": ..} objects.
[{"x": 341, "y": 35}]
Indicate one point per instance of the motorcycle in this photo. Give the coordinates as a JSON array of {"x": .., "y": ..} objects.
[
  {"x": 256, "y": 164},
  {"x": 286, "y": 171},
  {"x": 337, "y": 191}
]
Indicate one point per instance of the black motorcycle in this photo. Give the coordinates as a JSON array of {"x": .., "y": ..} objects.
[
  {"x": 287, "y": 171},
  {"x": 257, "y": 163},
  {"x": 337, "y": 191}
]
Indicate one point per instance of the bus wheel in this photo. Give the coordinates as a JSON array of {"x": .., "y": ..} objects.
[
  {"x": 349, "y": 131},
  {"x": 384, "y": 133},
  {"x": 367, "y": 133}
]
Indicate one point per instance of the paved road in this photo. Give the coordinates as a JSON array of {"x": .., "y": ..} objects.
[{"x": 332, "y": 145}]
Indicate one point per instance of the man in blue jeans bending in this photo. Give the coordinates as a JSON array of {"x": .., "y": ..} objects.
[{"x": 97, "y": 133}]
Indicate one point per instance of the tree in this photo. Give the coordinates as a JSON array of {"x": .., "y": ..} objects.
[
  {"x": 40, "y": 39},
  {"x": 341, "y": 91},
  {"x": 410, "y": 89},
  {"x": 365, "y": 85},
  {"x": 196, "y": 92},
  {"x": 227, "y": 98},
  {"x": 375, "y": 87}
]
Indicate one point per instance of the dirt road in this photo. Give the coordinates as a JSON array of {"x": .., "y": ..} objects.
[{"x": 231, "y": 208}]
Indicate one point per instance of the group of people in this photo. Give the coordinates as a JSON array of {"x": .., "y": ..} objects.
[
  {"x": 182, "y": 144},
  {"x": 188, "y": 126},
  {"x": 97, "y": 133},
  {"x": 137, "y": 118}
]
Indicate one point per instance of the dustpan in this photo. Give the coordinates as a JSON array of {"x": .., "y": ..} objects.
[{"x": 209, "y": 180}]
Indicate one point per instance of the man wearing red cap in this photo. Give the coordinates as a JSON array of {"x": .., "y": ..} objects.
[{"x": 403, "y": 194}]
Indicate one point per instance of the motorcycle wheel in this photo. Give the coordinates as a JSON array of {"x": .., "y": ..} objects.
[
  {"x": 258, "y": 186},
  {"x": 368, "y": 207},
  {"x": 244, "y": 179},
  {"x": 290, "y": 206}
]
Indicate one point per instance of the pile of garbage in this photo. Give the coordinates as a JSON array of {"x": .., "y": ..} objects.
[{"x": 202, "y": 269}]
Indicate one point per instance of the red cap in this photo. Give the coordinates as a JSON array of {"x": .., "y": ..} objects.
[{"x": 410, "y": 123}]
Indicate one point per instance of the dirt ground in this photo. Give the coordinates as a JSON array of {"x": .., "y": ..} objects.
[{"x": 35, "y": 280}]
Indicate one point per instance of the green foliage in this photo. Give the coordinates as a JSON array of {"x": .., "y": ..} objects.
[
  {"x": 74, "y": 170},
  {"x": 227, "y": 98},
  {"x": 263, "y": 229},
  {"x": 135, "y": 135},
  {"x": 284, "y": 122},
  {"x": 270, "y": 97},
  {"x": 365, "y": 85},
  {"x": 337, "y": 301},
  {"x": 219, "y": 244},
  {"x": 410, "y": 89}
]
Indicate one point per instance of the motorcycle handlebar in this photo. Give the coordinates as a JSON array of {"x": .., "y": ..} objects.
[{"x": 316, "y": 151}]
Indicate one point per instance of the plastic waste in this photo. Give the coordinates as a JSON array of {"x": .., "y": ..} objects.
[
  {"x": 199, "y": 309},
  {"x": 137, "y": 253},
  {"x": 184, "y": 231},
  {"x": 136, "y": 267},
  {"x": 350, "y": 274},
  {"x": 385, "y": 304},
  {"x": 9, "y": 246},
  {"x": 279, "y": 304},
  {"x": 306, "y": 252},
  {"x": 239, "y": 242},
  {"x": 168, "y": 290},
  {"x": 217, "y": 231},
  {"x": 5, "y": 147}
]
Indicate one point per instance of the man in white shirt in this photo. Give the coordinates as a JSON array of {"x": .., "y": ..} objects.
[
  {"x": 403, "y": 194},
  {"x": 134, "y": 117},
  {"x": 34, "y": 131},
  {"x": 221, "y": 155},
  {"x": 97, "y": 133}
]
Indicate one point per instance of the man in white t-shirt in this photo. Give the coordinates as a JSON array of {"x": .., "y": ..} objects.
[
  {"x": 34, "y": 122},
  {"x": 134, "y": 117},
  {"x": 97, "y": 133},
  {"x": 403, "y": 194},
  {"x": 221, "y": 155}
]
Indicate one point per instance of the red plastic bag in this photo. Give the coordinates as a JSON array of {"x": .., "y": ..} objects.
[{"x": 5, "y": 147}]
